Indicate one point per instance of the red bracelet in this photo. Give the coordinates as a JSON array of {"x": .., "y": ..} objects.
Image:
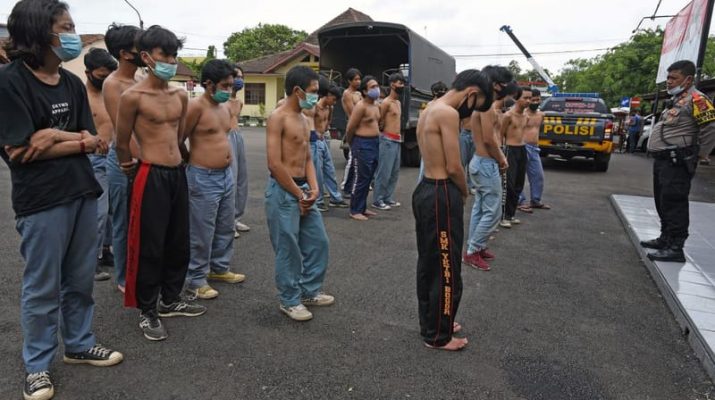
[{"x": 82, "y": 149}]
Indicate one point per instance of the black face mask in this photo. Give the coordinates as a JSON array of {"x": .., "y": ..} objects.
[
  {"x": 464, "y": 110},
  {"x": 533, "y": 106},
  {"x": 137, "y": 60},
  {"x": 96, "y": 82},
  {"x": 399, "y": 90},
  {"x": 509, "y": 104}
]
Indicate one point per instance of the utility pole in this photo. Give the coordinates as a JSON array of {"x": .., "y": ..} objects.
[{"x": 141, "y": 22}]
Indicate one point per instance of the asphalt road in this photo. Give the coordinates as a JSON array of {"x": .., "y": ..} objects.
[{"x": 567, "y": 312}]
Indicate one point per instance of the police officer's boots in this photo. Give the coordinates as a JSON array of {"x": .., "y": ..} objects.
[
  {"x": 658, "y": 243},
  {"x": 672, "y": 253}
]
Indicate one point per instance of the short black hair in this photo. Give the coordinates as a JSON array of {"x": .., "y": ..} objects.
[
  {"x": 474, "y": 77},
  {"x": 30, "y": 27},
  {"x": 438, "y": 87},
  {"x": 335, "y": 91},
  {"x": 158, "y": 37},
  {"x": 498, "y": 74},
  {"x": 397, "y": 77},
  {"x": 511, "y": 89},
  {"x": 300, "y": 76},
  {"x": 686, "y": 67},
  {"x": 365, "y": 80},
  {"x": 98, "y": 58},
  {"x": 120, "y": 37},
  {"x": 352, "y": 73},
  {"x": 215, "y": 71},
  {"x": 535, "y": 92},
  {"x": 323, "y": 86}
]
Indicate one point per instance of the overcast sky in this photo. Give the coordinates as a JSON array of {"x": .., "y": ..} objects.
[{"x": 468, "y": 29}]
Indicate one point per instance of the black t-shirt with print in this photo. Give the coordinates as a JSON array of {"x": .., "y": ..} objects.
[{"x": 28, "y": 105}]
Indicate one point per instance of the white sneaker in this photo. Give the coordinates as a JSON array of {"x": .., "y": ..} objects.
[
  {"x": 297, "y": 313},
  {"x": 236, "y": 235},
  {"x": 505, "y": 223},
  {"x": 241, "y": 227},
  {"x": 321, "y": 299},
  {"x": 515, "y": 221}
]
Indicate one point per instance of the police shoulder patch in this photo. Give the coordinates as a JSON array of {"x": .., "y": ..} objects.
[{"x": 703, "y": 109}]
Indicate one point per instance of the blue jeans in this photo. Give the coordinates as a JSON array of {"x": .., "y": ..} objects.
[
  {"x": 632, "y": 141},
  {"x": 328, "y": 176},
  {"x": 535, "y": 174},
  {"x": 99, "y": 164},
  {"x": 59, "y": 248},
  {"x": 466, "y": 151},
  {"x": 388, "y": 170},
  {"x": 365, "y": 155},
  {"x": 119, "y": 210},
  {"x": 238, "y": 166},
  {"x": 211, "y": 202},
  {"x": 317, "y": 155},
  {"x": 486, "y": 210},
  {"x": 300, "y": 244}
]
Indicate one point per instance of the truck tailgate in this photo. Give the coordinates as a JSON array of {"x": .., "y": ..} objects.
[{"x": 573, "y": 127}]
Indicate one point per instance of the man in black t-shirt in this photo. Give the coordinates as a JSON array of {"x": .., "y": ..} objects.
[{"x": 45, "y": 132}]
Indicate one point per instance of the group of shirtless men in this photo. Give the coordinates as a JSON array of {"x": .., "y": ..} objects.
[{"x": 173, "y": 224}]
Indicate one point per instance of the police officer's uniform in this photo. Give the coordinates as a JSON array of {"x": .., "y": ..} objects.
[{"x": 684, "y": 132}]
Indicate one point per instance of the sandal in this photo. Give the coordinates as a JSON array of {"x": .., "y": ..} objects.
[{"x": 541, "y": 206}]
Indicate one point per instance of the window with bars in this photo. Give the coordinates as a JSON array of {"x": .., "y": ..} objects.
[{"x": 255, "y": 93}]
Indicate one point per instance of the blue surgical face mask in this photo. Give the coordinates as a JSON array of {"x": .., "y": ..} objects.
[
  {"x": 311, "y": 99},
  {"x": 221, "y": 96},
  {"x": 374, "y": 93},
  {"x": 162, "y": 70},
  {"x": 237, "y": 84},
  {"x": 70, "y": 46}
]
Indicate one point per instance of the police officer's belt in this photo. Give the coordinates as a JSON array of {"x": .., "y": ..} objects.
[{"x": 667, "y": 153}]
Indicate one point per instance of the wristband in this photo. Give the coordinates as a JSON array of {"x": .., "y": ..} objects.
[{"x": 82, "y": 148}]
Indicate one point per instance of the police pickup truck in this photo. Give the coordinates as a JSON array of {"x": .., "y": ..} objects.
[{"x": 577, "y": 125}]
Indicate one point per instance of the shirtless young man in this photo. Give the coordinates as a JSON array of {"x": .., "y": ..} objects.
[
  {"x": 120, "y": 43},
  {"x": 351, "y": 96},
  {"x": 485, "y": 170},
  {"x": 296, "y": 227},
  {"x": 438, "y": 206},
  {"x": 320, "y": 146},
  {"x": 388, "y": 166},
  {"x": 238, "y": 153},
  {"x": 534, "y": 169},
  {"x": 158, "y": 242},
  {"x": 362, "y": 134},
  {"x": 211, "y": 183},
  {"x": 99, "y": 64},
  {"x": 512, "y": 129}
]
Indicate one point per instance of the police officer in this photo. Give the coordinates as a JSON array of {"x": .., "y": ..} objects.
[{"x": 684, "y": 132}]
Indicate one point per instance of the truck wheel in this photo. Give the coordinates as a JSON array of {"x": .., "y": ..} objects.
[
  {"x": 600, "y": 162},
  {"x": 411, "y": 156}
]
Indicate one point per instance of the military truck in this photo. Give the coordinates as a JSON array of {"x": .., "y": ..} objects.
[
  {"x": 577, "y": 125},
  {"x": 380, "y": 49}
]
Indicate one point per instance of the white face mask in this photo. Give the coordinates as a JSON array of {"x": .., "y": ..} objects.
[{"x": 676, "y": 90}]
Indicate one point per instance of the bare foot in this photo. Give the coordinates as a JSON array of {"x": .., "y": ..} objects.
[
  {"x": 358, "y": 217},
  {"x": 369, "y": 213},
  {"x": 456, "y": 327},
  {"x": 455, "y": 344},
  {"x": 121, "y": 288}
]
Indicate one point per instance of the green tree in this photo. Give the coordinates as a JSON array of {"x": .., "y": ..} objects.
[
  {"x": 627, "y": 69},
  {"x": 261, "y": 40},
  {"x": 525, "y": 76},
  {"x": 197, "y": 66}
]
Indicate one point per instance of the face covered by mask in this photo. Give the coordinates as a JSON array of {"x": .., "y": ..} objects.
[
  {"x": 374, "y": 93},
  {"x": 162, "y": 70},
  {"x": 96, "y": 82},
  {"x": 238, "y": 84},
  {"x": 221, "y": 96},
  {"x": 137, "y": 60},
  {"x": 310, "y": 100},
  {"x": 399, "y": 90},
  {"x": 464, "y": 109},
  {"x": 533, "y": 106},
  {"x": 70, "y": 46}
]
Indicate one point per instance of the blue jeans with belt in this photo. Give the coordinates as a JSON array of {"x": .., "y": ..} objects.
[
  {"x": 299, "y": 242},
  {"x": 119, "y": 211},
  {"x": 59, "y": 248},
  {"x": 486, "y": 210},
  {"x": 211, "y": 212}
]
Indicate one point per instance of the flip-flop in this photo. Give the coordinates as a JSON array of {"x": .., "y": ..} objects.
[
  {"x": 541, "y": 206},
  {"x": 525, "y": 209}
]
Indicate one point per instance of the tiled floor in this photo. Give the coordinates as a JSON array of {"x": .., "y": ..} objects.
[{"x": 688, "y": 288}]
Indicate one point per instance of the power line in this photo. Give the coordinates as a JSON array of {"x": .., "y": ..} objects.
[
  {"x": 538, "y": 44},
  {"x": 535, "y": 53}
]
